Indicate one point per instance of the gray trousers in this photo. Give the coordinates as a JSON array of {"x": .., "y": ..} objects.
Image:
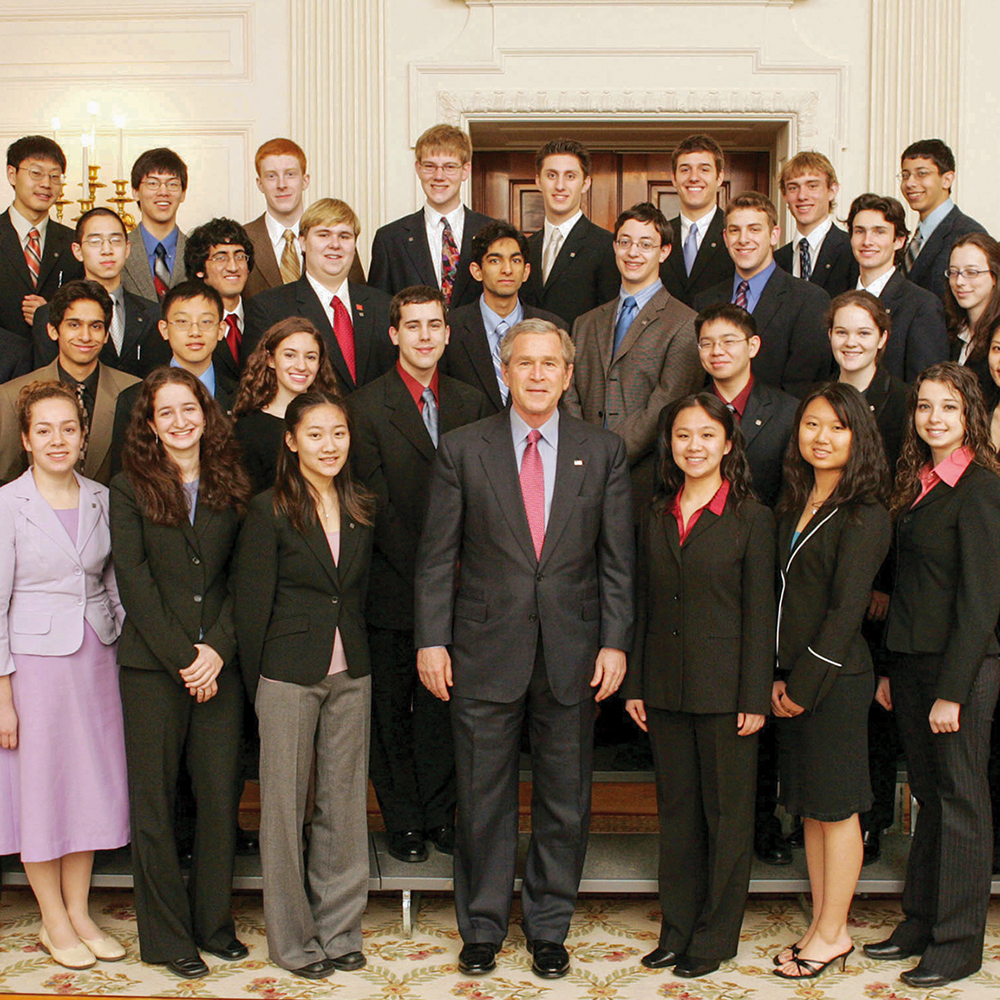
[{"x": 315, "y": 893}]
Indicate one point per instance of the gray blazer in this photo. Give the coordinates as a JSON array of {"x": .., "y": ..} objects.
[{"x": 137, "y": 278}]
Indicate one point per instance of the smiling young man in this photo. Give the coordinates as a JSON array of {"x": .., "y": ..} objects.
[
  {"x": 926, "y": 177},
  {"x": 398, "y": 420},
  {"x": 35, "y": 255},
  {"x": 500, "y": 264},
  {"x": 432, "y": 246},
  {"x": 159, "y": 186},
  {"x": 919, "y": 336},
  {"x": 819, "y": 251},
  {"x": 637, "y": 352},
  {"x": 790, "y": 314},
  {"x": 79, "y": 322},
  {"x": 573, "y": 266},
  {"x": 354, "y": 319},
  {"x": 701, "y": 260},
  {"x": 134, "y": 344}
]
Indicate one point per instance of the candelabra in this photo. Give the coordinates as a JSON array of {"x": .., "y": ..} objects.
[{"x": 120, "y": 201}]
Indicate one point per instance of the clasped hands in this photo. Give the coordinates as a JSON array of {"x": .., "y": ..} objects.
[{"x": 200, "y": 677}]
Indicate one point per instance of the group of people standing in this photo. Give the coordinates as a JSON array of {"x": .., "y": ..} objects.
[{"x": 404, "y": 547}]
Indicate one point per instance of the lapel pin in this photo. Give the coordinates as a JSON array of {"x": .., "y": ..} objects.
[
  {"x": 578, "y": 461},
  {"x": 573, "y": 254},
  {"x": 757, "y": 421},
  {"x": 409, "y": 239}
]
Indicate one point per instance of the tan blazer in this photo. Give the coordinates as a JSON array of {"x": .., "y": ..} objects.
[
  {"x": 97, "y": 465},
  {"x": 656, "y": 363}
]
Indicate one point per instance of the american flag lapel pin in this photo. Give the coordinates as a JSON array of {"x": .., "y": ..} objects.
[
  {"x": 360, "y": 308},
  {"x": 578, "y": 461}
]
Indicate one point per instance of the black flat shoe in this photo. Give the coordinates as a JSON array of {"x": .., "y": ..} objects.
[
  {"x": 232, "y": 952},
  {"x": 872, "y": 847},
  {"x": 349, "y": 962},
  {"x": 247, "y": 842},
  {"x": 443, "y": 837},
  {"x": 889, "y": 951},
  {"x": 549, "y": 959},
  {"x": 772, "y": 850},
  {"x": 923, "y": 977},
  {"x": 188, "y": 968},
  {"x": 688, "y": 967},
  {"x": 660, "y": 958},
  {"x": 478, "y": 958},
  {"x": 316, "y": 970},
  {"x": 407, "y": 845},
  {"x": 797, "y": 835}
]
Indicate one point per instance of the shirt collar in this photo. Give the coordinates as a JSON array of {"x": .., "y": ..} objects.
[
  {"x": 207, "y": 377},
  {"x": 716, "y": 505},
  {"x": 701, "y": 224},
  {"x": 739, "y": 404},
  {"x": 878, "y": 285},
  {"x": 817, "y": 236},
  {"x": 149, "y": 241},
  {"x": 118, "y": 296},
  {"x": 237, "y": 312},
  {"x": 948, "y": 470},
  {"x": 641, "y": 298},
  {"x": 491, "y": 319},
  {"x": 89, "y": 383},
  {"x": 325, "y": 295},
  {"x": 549, "y": 430},
  {"x": 433, "y": 217},
  {"x": 276, "y": 230},
  {"x": 757, "y": 282},
  {"x": 928, "y": 225},
  {"x": 416, "y": 388},
  {"x": 563, "y": 227},
  {"x": 23, "y": 226}
]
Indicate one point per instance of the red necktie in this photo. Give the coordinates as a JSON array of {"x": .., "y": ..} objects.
[
  {"x": 343, "y": 330},
  {"x": 533, "y": 491},
  {"x": 234, "y": 338},
  {"x": 33, "y": 255},
  {"x": 449, "y": 260}
]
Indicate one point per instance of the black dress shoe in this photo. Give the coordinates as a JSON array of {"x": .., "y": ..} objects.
[
  {"x": 549, "y": 959},
  {"x": 477, "y": 958},
  {"x": 188, "y": 968},
  {"x": 797, "y": 836},
  {"x": 771, "y": 849},
  {"x": 688, "y": 967},
  {"x": 349, "y": 962},
  {"x": 889, "y": 951},
  {"x": 407, "y": 845},
  {"x": 923, "y": 977},
  {"x": 660, "y": 958},
  {"x": 231, "y": 952},
  {"x": 316, "y": 970},
  {"x": 872, "y": 847},
  {"x": 247, "y": 842},
  {"x": 443, "y": 837}
]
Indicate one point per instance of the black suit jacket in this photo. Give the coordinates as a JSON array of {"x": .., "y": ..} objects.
[
  {"x": 174, "y": 583},
  {"x": 933, "y": 259},
  {"x": 401, "y": 257},
  {"x": 712, "y": 266},
  {"x": 481, "y": 590},
  {"x": 919, "y": 334},
  {"x": 15, "y": 356},
  {"x": 142, "y": 349},
  {"x": 887, "y": 397},
  {"x": 467, "y": 356},
  {"x": 791, "y": 320},
  {"x": 58, "y": 266},
  {"x": 825, "y": 590},
  {"x": 583, "y": 277},
  {"x": 947, "y": 594},
  {"x": 291, "y": 597},
  {"x": 374, "y": 352},
  {"x": 835, "y": 270},
  {"x": 705, "y": 614},
  {"x": 393, "y": 454},
  {"x": 225, "y": 396}
]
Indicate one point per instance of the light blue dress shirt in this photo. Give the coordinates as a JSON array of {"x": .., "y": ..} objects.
[
  {"x": 150, "y": 243},
  {"x": 757, "y": 283},
  {"x": 207, "y": 377}
]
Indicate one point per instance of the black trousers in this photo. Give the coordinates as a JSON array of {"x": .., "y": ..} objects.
[
  {"x": 947, "y": 892},
  {"x": 412, "y": 764},
  {"x": 163, "y": 724},
  {"x": 705, "y": 800},
  {"x": 487, "y": 748}
]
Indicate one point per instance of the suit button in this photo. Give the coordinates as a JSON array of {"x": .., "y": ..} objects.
[
  {"x": 77, "y": 570},
  {"x": 79, "y": 602},
  {"x": 532, "y": 618},
  {"x": 675, "y": 632},
  {"x": 334, "y": 600},
  {"x": 538, "y": 578},
  {"x": 197, "y": 598},
  {"x": 196, "y": 560},
  {"x": 677, "y": 597}
]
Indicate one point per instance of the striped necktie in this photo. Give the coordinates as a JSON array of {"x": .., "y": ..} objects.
[
  {"x": 290, "y": 260},
  {"x": 33, "y": 255}
]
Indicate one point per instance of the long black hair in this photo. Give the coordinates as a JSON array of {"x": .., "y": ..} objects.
[{"x": 865, "y": 478}]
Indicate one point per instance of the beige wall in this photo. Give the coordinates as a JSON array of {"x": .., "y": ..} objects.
[{"x": 356, "y": 81}]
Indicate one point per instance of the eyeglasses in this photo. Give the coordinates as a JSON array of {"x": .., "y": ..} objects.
[
  {"x": 153, "y": 184},
  {"x": 205, "y": 325},
  {"x": 450, "y": 170},
  {"x": 95, "y": 242},
  {"x": 644, "y": 246},
  {"x": 921, "y": 175},
  {"x": 969, "y": 273},
  {"x": 38, "y": 175},
  {"x": 240, "y": 257},
  {"x": 728, "y": 344}
]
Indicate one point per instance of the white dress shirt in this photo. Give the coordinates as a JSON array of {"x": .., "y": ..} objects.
[
  {"x": 276, "y": 233},
  {"x": 22, "y": 227},
  {"x": 326, "y": 298},
  {"x": 815, "y": 239},
  {"x": 701, "y": 227},
  {"x": 878, "y": 285}
]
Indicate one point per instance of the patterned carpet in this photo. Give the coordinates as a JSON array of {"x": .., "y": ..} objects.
[{"x": 608, "y": 936}]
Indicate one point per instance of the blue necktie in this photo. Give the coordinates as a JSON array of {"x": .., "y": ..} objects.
[
  {"x": 430, "y": 414},
  {"x": 690, "y": 249},
  {"x": 629, "y": 308},
  {"x": 499, "y": 332},
  {"x": 805, "y": 260}
]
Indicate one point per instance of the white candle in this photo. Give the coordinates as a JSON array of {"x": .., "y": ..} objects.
[
  {"x": 56, "y": 125},
  {"x": 85, "y": 143},
  {"x": 120, "y": 124},
  {"x": 93, "y": 108}
]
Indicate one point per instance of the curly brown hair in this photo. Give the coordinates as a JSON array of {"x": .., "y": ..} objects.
[
  {"x": 156, "y": 478},
  {"x": 36, "y": 392},
  {"x": 916, "y": 453},
  {"x": 259, "y": 383}
]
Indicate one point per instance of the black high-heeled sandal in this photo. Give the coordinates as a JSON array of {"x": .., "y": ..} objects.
[
  {"x": 813, "y": 968},
  {"x": 793, "y": 948}
]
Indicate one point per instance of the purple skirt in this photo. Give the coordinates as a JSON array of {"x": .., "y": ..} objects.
[{"x": 64, "y": 789}]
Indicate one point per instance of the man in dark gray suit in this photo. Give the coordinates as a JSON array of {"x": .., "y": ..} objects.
[{"x": 536, "y": 509}]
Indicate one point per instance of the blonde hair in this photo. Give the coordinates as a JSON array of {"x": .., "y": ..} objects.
[
  {"x": 444, "y": 139},
  {"x": 329, "y": 212}
]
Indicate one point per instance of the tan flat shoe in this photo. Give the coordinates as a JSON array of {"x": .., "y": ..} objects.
[
  {"x": 106, "y": 948},
  {"x": 77, "y": 957}
]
